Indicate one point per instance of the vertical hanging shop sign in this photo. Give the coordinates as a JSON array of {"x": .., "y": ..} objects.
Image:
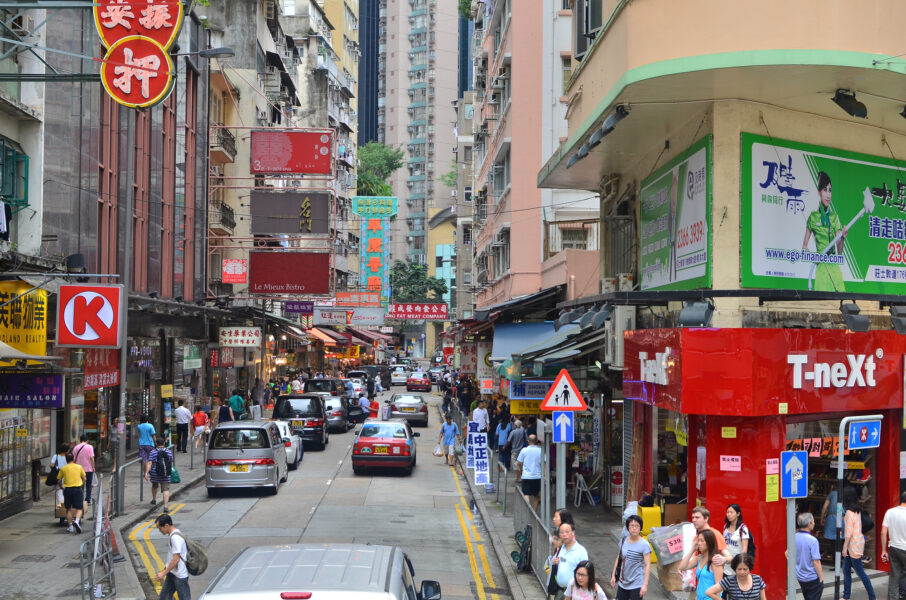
[
  {"x": 23, "y": 321},
  {"x": 137, "y": 70},
  {"x": 374, "y": 249}
]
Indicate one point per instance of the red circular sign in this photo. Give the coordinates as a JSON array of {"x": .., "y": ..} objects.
[
  {"x": 137, "y": 72},
  {"x": 616, "y": 478},
  {"x": 158, "y": 20}
]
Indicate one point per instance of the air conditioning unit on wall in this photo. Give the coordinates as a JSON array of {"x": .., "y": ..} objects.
[{"x": 622, "y": 319}]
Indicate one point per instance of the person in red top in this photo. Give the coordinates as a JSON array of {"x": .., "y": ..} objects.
[
  {"x": 374, "y": 408},
  {"x": 200, "y": 422}
]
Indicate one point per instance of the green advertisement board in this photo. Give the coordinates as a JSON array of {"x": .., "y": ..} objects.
[
  {"x": 822, "y": 219},
  {"x": 675, "y": 233}
]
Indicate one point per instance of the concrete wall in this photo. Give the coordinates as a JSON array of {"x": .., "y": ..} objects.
[{"x": 578, "y": 269}]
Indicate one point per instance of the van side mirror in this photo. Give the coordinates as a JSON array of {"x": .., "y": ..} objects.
[{"x": 430, "y": 590}]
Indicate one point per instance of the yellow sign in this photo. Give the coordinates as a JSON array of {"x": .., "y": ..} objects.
[
  {"x": 526, "y": 407},
  {"x": 783, "y": 408},
  {"x": 728, "y": 432},
  {"x": 23, "y": 322},
  {"x": 166, "y": 391},
  {"x": 21, "y": 432},
  {"x": 772, "y": 488},
  {"x": 681, "y": 437}
]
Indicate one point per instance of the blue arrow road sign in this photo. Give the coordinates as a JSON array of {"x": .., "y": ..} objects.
[
  {"x": 864, "y": 434},
  {"x": 793, "y": 474},
  {"x": 563, "y": 427}
]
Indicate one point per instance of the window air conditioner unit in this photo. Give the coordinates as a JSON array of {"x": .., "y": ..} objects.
[{"x": 622, "y": 319}]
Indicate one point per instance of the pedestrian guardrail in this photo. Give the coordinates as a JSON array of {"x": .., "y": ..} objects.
[
  {"x": 541, "y": 537},
  {"x": 504, "y": 486},
  {"x": 96, "y": 555}
]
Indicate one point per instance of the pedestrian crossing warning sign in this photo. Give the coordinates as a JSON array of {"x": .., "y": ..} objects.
[{"x": 563, "y": 395}]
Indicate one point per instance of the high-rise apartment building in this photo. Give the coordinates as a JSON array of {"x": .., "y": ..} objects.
[
  {"x": 417, "y": 64},
  {"x": 368, "y": 71}
]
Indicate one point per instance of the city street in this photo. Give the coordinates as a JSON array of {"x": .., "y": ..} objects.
[{"x": 428, "y": 514}]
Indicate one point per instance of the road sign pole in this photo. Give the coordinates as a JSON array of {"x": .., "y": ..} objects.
[
  {"x": 838, "y": 509},
  {"x": 791, "y": 549},
  {"x": 561, "y": 475}
]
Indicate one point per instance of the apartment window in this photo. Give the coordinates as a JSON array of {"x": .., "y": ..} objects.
[
  {"x": 588, "y": 18},
  {"x": 466, "y": 235},
  {"x": 467, "y": 194},
  {"x": 567, "y": 4},
  {"x": 573, "y": 238},
  {"x": 567, "y": 70},
  {"x": 438, "y": 261}
]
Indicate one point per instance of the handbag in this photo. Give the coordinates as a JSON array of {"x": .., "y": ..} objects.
[
  {"x": 174, "y": 476},
  {"x": 867, "y": 523},
  {"x": 619, "y": 567},
  {"x": 52, "y": 478},
  {"x": 552, "y": 586},
  {"x": 689, "y": 579}
]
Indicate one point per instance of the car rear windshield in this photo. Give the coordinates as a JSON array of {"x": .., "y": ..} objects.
[
  {"x": 399, "y": 369},
  {"x": 318, "y": 385},
  {"x": 333, "y": 404},
  {"x": 289, "y": 407},
  {"x": 235, "y": 439},
  {"x": 384, "y": 430},
  {"x": 405, "y": 399}
]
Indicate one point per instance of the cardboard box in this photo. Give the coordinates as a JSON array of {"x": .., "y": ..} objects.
[
  {"x": 675, "y": 513},
  {"x": 59, "y": 511},
  {"x": 669, "y": 577}
]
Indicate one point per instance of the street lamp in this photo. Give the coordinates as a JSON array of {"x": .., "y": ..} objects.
[{"x": 224, "y": 52}]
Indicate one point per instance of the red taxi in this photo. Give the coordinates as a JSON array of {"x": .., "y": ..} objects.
[
  {"x": 384, "y": 444},
  {"x": 418, "y": 381}
]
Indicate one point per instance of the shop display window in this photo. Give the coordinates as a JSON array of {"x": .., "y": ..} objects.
[
  {"x": 672, "y": 457},
  {"x": 820, "y": 440}
]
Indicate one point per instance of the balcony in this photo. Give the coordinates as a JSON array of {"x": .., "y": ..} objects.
[
  {"x": 221, "y": 219},
  {"x": 223, "y": 145}
]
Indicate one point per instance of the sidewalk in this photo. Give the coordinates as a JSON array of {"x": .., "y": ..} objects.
[{"x": 40, "y": 559}]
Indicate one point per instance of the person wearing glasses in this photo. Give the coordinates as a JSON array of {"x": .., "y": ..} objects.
[{"x": 175, "y": 576}]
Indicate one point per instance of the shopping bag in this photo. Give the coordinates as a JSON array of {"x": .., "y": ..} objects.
[
  {"x": 459, "y": 450},
  {"x": 438, "y": 450},
  {"x": 174, "y": 476},
  {"x": 690, "y": 581}
]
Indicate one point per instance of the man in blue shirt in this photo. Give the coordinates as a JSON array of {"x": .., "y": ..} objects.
[
  {"x": 571, "y": 553},
  {"x": 503, "y": 435},
  {"x": 808, "y": 558},
  {"x": 146, "y": 433},
  {"x": 449, "y": 435}
]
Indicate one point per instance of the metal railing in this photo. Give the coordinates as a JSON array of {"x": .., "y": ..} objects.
[
  {"x": 96, "y": 555},
  {"x": 505, "y": 488},
  {"x": 523, "y": 515}
]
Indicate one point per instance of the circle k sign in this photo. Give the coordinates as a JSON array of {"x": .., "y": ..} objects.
[{"x": 90, "y": 316}]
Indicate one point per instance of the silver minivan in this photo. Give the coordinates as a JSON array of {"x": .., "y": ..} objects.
[
  {"x": 246, "y": 454},
  {"x": 320, "y": 572}
]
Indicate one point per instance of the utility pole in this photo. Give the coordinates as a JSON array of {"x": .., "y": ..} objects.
[{"x": 128, "y": 257}]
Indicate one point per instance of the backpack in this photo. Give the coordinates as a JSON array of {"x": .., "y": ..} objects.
[
  {"x": 867, "y": 523},
  {"x": 196, "y": 558},
  {"x": 751, "y": 548},
  {"x": 163, "y": 465}
]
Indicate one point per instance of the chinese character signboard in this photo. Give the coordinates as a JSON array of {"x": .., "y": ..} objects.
[
  {"x": 226, "y": 357},
  {"x": 102, "y": 368},
  {"x": 468, "y": 357},
  {"x": 214, "y": 358},
  {"x": 293, "y": 151},
  {"x": 798, "y": 199},
  {"x": 289, "y": 273},
  {"x": 352, "y": 315},
  {"x": 31, "y": 391},
  {"x": 191, "y": 358},
  {"x": 675, "y": 234},
  {"x": 374, "y": 247},
  {"x": 235, "y": 270},
  {"x": 420, "y": 310},
  {"x": 238, "y": 337},
  {"x": 299, "y": 307},
  {"x": 137, "y": 70},
  {"x": 375, "y": 206},
  {"x": 23, "y": 322},
  {"x": 290, "y": 212},
  {"x": 358, "y": 299}
]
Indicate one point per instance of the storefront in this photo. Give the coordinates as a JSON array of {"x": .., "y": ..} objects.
[{"x": 733, "y": 399}]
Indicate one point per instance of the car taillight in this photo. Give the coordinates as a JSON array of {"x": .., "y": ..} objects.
[
  {"x": 314, "y": 422},
  {"x": 405, "y": 450},
  {"x": 393, "y": 407},
  {"x": 355, "y": 449},
  {"x": 424, "y": 408},
  {"x": 337, "y": 413},
  {"x": 288, "y": 444},
  {"x": 213, "y": 462},
  {"x": 264, "y": 461},
  {"x": 295, "y": 595}
]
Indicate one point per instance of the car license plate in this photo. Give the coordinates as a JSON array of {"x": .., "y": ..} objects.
[
  {"x": 239, "y": 468},
  {"x": 296, "y": 423},
  {"x": 380, "y": 449},
  {"x": 408, "y": 409}
]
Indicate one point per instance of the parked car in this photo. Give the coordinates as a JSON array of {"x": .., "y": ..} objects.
[
  {"x": 436, "y": 374},
  {"x": 382, "y": 371},
  {"x": 328, "y": 387},
  {"x": 319, "y": 571},
  {"x": 384, "y": 444},
  {"x": 294, "y": 448},
  {"x": 398, "y": 375},
  {"x": 411, "y": 407},
  {"x": 246, "y": 454},
  {"x": 418, "y": 381},
  {"x": 358, "y": 385},
  {"x": 337, "y": 414},
  {"x": 306, "y": 416}
]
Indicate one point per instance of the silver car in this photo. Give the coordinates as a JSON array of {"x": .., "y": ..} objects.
[
  {"x": 320, "y": 571},
  {"x": 337, "y": 414},
  {"x": 411, "y": 407},
  {"x": 294, "y": 449},
  {"x": 398, "y": 375},
  {"x": 246, "y": 454}
]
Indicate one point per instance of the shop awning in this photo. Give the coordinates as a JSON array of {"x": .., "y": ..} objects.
[
  {"x": 575, "y": 345},
  {"x": 372, "y": 336},
  {"x": 337, "y": 338},
  {"x": 7, "y": 352},
  {"x": 512, "y": 338},
  {"x": 538, "y": 300},
  {"x": 321, "y": 336}
]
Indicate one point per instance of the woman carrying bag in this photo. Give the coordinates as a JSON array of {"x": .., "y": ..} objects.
[
  {"x": 700, "y": 558},
  {"x": 743, "y": 585},
  {"x": 583, "y": 586},
  {"x": 853, "y": 544},
  {"x": 633, "y": 566}
]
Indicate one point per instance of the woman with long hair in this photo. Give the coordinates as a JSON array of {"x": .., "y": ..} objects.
[
  {"x": 699, "y": 558},
  {"x": 736, "y": 534},
  {"x": 742, "y": 585},
  {"x": 853, "y": 543},
  {"x": 583, "y": 586}
]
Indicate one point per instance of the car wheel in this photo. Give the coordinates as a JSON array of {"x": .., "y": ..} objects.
[
  {"x": 273, "y": 491},
  {"x": 295, "y": 464},
  {"x": 326, "y": 438},
  {"x": 285, "y": 475},
  {"x": 408, "y": 470},
  {"x": 212, "y": 492},
  {"x": 357, "y": 470}
]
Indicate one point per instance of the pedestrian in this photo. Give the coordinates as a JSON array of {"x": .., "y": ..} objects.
[
  {"x": 369, "y": 385},
  {"x": 146, "y": 434},
  {"x": 257, "y": 392},
  {"x": 72, "y": 480},
  {"x": 465, "y": 397},
  {"x": 295, "y": 385},
  {"x": 266, "y": 394},
  {"x": 561, "y": 516},
  {"x": 743, "y": 584},
  {"x": 237, "y": 404},
  {"x": 200, "y": 422},
  {"x": 378, "y": 388},
  {"x": 514, "y": 445},
  {"x": 893, "y": 547},
  {"x": 635, "y": 558},
  {"x": 175, "y": 576},
  {"x": 374, "y": 408},
  {"x": 448, "y": 438},
  {"x": 701, "y": 558},
  {"x": 83, "y": 453},
  {"x": 502, "y": 436},
  {"x": 365, "y": 406},
  {"x": 448, "y": 401},
  {"x": 531, "y": 426},
  {"x": 736, "y": 533},
  {"x": 583, "y": 586},
  {"x": 158, "y": 471},
  {"x": 183, "y": 418},
  {"x": 480, "y": 416},
  {"x": 808, "y": 558},
  {"x": 701, "y": 520},
  {"x": 853, "y": 544},
  {"x": 829, "y": 515},
  {"x": 225, "y": 412},
  {"x": 567, "y": 559},
  {"x": 58, "y": 461},
  {"x": 530, "y": 462}
]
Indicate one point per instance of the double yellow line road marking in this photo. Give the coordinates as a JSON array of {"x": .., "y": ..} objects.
[
  {"x": 474, "y": 546},
  {"x": 140, "y": 537}
]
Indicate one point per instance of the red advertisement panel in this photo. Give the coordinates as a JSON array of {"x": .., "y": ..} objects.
[
  {"x": 289, "y": 273},
  {"x": 158, "y": 20},
  {"x": 234, "y": 270},
  {"x": 280, "y": 151},
  {"x": 102, "y": 368},
  {"x": 430, "y": 311},
  {"x": 137, "y": 72},
  {"x": 89, "y": 316}
]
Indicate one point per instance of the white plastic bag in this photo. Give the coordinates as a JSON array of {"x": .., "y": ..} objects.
[{"x": 438, "y": 450}]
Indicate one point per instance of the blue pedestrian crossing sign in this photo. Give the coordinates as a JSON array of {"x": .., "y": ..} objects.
[
  {"x": 564, "y": 430},
  {"x": 864, "y": 434},
  {"x": 794, "y": 474}
]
